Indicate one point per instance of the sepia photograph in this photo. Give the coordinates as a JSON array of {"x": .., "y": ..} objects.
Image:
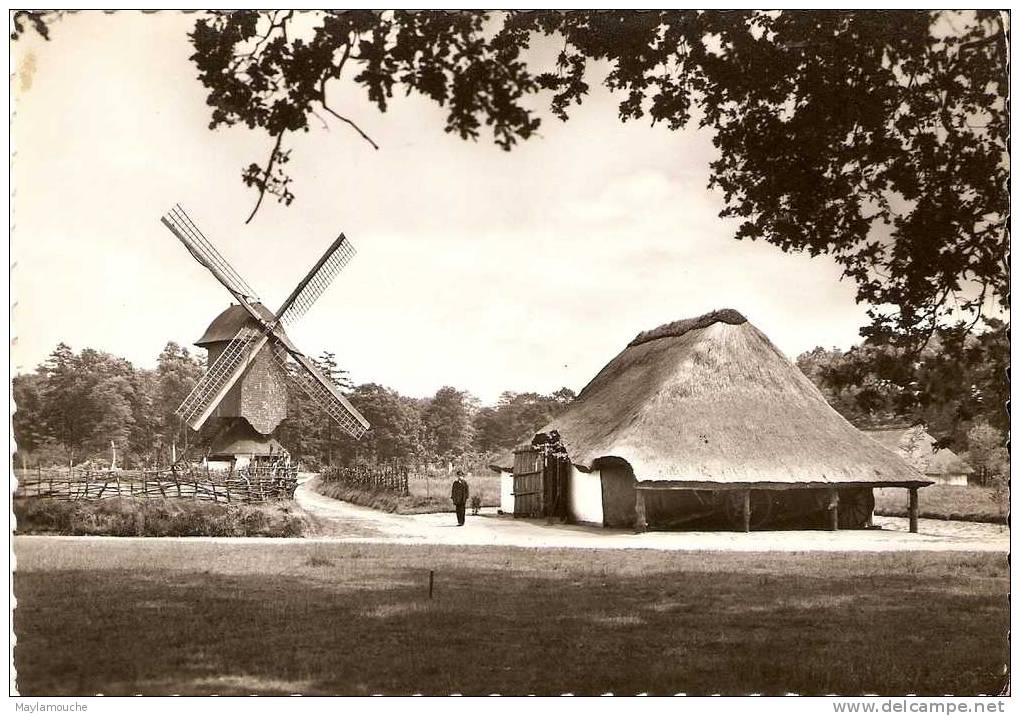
[{"x": 510, "y": 352}]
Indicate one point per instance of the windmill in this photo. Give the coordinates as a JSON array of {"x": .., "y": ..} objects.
[{"x": 245, "y": 384}]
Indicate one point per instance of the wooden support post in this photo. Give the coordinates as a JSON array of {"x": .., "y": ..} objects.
[
  {"x": 640, "y": 518},
  {"x": 913, "y": 509},
  {"x": 833, "y": 510},
  {"x": 745, "y": 510}
]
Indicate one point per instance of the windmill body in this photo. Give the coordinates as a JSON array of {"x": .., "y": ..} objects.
[
  {"x": 249, "y": 367},
  {"x": 255, "y": 406},
  {"x": 260, "y": 394}
]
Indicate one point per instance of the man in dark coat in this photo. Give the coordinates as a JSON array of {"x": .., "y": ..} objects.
[{"x": 459, "y": 495}]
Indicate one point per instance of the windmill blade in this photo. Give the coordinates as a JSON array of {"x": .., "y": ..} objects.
[
  {"x": 317, "y": 281},
  {"x": 181, "y": 225},
  {"x": 323, "y": 392},
  {"x": 221, "y": 376}
]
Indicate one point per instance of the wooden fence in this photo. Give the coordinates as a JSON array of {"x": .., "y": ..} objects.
[
  {"x": 246, "y": 485},
  {"x": 389, "y": 477}
]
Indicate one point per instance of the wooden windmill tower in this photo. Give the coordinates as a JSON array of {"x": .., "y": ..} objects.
[{"x": 245, "y": 384}]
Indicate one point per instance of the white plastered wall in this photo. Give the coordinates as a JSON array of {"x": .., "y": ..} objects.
[
  {"x": 585, "y": 494},
  {"x": 506, "y": 492}
]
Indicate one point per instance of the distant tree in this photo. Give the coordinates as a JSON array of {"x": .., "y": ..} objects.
[
  {"x": 326, "y": 363},
  {"x": 447, "y": 418},
  {"x": 90, "y": 399},
  {"x": 915, "y": 450},
  {"x": 113, "y": 403},
  {"x": 396, "y": 431},
  {"x": 28, "y": 422},
  {"x": 986, "y": 454},
  {"x": 300, "y": 431},
  {"x": 177, "y": 373},
  {"x": 959, "y": 378},
  {"x": 65, "y": 410},
  {"x": 115, "y": 418},
  {"x": 324, "y": 429},
  {"x": 564, "y": 396},
  {"x": 516, "y": 417}
]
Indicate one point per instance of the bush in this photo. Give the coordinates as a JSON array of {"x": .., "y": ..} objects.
[
  {"x": 383, "y": 500},
  {"x": 971, "y": 503},
  {"x": 127, "y": 517}
]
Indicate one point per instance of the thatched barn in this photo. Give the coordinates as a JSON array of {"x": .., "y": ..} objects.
[{"x": 703, "y": 421}]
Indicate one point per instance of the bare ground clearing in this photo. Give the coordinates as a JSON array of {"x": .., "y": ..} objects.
[{"x": 345, "y": 521}]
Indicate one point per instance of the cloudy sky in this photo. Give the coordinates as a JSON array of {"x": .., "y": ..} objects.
[{"x": 476, "y": 268}]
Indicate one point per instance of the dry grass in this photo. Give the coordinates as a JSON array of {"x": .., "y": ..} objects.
[
  {"x": 425, "y": 497},
  {"x": 486, "y": 486},
  {"x": 947, "y": 502},
  {"x": 136, "y": 517},
  {"x": 160, "y": 617}
]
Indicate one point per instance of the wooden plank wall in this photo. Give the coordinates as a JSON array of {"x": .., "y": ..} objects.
[{"x": 529, "y": 485}]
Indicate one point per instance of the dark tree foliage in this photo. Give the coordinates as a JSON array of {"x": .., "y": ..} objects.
[
  {"x": 956, "y": 382},
  {"x": 83, "y": 402},
  {"x": 177, "y": 372},
  {"x": 29, "y": 429},
  {"x": 75, "y": 404},
  {"x": 516, "y": 417},
  {"x": 38, "y": 20},
  {"x": 448, "y": 421},
  {"x": 272, "y": 70},
  {"x": 879, "y": 138},
  {"x": 397, "y": 431},
  {"x": 308, "y": 433},
  {"x": 876, "y": 137}
]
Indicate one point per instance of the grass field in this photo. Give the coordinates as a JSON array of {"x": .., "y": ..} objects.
[
  {"x": 425, "y": 496},
  {"x": 197, "y": 617},
  {"x": 137, "y": 517},
  {"x": 946, "y": 502}
]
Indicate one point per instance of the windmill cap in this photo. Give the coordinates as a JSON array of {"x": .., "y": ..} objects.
[{"x": 226, "y": 325}]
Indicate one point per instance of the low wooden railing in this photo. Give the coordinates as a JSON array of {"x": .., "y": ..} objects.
[
  {"x": 389, "y": 477},
  {"x": 257, "y": 484}
]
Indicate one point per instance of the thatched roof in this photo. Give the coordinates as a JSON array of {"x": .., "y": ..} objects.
[
  {"x": 711, "y": 399},
  {"x": 915, "y": 445},
  {"x": 226, "y": 325}
]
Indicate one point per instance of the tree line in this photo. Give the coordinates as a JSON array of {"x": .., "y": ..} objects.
[
  {"x": 849, "y": 133},
  {"x": 957, "y": 386},
  {"x": 75, "y": 405}
]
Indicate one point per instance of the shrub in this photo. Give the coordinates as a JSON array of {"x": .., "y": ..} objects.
[{"x": 124, "y": 517}]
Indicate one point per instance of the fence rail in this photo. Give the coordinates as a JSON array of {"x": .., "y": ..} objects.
[
  {"x": 258, "y": 484},
  {"x": 392, "y": 478}
]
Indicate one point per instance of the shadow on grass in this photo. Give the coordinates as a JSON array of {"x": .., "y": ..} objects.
[{"x": 356, "y": 620}]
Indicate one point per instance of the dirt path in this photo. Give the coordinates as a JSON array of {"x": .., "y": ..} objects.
[{"x": 351, "y": 523}]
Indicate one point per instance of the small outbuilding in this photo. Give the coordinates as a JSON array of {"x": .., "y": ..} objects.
[
  {"x": 703, "y": 422},
  {"x": 915, "y": 445}
]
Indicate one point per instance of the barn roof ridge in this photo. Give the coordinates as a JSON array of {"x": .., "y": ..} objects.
[{"x": 676, "y": 329}]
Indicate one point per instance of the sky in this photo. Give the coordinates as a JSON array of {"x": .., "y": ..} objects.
[{"x": 477, "y": 268}]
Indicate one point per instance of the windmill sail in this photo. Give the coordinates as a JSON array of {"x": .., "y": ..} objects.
[
  {"x": 221, "y": 376},
  {"x": 318, "y": 280},
  {"x": 324, "y": 393},
  {"x": 206, "y": 254}
]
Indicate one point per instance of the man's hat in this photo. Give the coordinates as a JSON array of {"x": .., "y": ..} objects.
[{"x": 460, "y": 473}]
